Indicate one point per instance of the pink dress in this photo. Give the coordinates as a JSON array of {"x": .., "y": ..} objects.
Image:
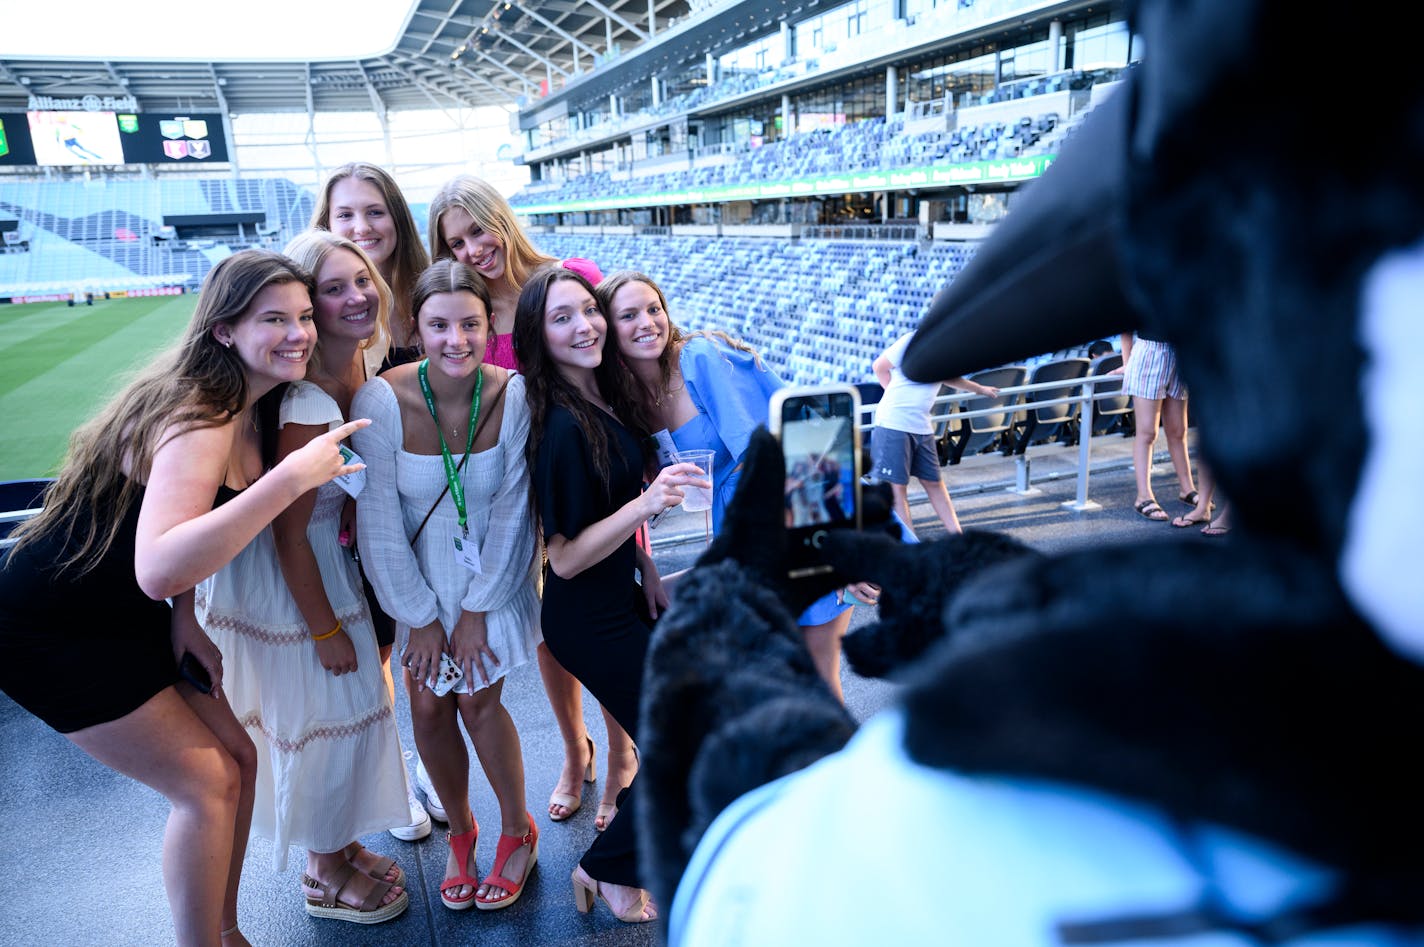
[{"x": 501, "y": 352}]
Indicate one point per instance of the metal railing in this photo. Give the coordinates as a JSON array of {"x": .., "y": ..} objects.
[{"x": 944, "y": 411}]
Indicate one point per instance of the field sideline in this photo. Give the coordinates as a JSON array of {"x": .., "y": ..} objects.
[{"x": 58, "y": 365}]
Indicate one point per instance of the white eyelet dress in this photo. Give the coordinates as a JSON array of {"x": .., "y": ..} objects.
[{"x": 329, "y": 762}]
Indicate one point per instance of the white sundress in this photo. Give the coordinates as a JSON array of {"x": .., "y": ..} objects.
[
  {"x": 329, "y": 766},
  {"x": 419, "y": 583}
]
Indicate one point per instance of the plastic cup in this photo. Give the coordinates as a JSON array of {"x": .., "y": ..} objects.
[{"x": 696, "y": 499}]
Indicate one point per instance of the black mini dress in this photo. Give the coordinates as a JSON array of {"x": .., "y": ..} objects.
[{"x": 80, "y": 650}]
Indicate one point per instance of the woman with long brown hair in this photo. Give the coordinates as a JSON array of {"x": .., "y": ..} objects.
[
  {"x": 421, "y": 506},
  {"x": 159, "y": 491},
  {"x": 363, "y": 203},
  {"x": 588, "y": 469}
]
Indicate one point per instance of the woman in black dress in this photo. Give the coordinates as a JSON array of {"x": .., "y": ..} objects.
[
  {"x": 158, "y": 492},
  {"x": 588, "y": 470}
]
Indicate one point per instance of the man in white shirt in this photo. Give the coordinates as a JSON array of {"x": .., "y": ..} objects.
[{"x": 902, "y": 443}]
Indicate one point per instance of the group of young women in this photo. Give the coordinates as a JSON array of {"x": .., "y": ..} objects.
[{"x": 512, "y": 426}]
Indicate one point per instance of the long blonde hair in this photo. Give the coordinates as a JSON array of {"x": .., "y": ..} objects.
[
  {"x": 410, "y": 259},
  {"x": 309, "y": 249},
  {"x": 199, "y": 382},
  {"x": 491, "y": 212}
]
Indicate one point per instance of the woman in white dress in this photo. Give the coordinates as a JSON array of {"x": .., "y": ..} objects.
[
  {"x": 448, "y": 542},
  {"x": 304, "y": 677}
]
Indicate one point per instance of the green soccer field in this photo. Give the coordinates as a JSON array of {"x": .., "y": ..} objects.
[{"x": 58, "y": 365}]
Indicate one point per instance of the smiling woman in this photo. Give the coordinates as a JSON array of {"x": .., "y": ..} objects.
[
  {"x": 449, "y": 545},
  {"x": 164, "y": 487},
  {"x": 289, "y": 614}
]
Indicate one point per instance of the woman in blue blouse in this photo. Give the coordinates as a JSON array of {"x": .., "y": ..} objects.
[{"x": 706, "y": 390}]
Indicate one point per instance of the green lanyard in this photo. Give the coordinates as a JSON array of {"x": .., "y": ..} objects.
[{"x": 452, "y": 473}]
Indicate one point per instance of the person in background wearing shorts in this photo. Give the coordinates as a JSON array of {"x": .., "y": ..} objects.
[
  {"x": 902, "y": 442},
  {"x": 1158, "y": 397}
]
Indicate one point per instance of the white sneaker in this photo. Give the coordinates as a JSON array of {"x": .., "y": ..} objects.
[
  {"x": 432, "y": 801},
  {"x": 419, "y": 826}
]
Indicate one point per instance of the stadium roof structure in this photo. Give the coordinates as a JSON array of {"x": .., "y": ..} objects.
[{"x": 466, "y": 53}]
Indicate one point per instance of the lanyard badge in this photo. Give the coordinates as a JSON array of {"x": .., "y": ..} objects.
[{"x": 466, "y": 549}]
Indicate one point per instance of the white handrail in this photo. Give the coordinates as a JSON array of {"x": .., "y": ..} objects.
[{"x": 1086, "y": 396}]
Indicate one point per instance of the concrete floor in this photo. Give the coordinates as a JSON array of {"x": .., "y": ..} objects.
[{"x": 81, "y": 843}]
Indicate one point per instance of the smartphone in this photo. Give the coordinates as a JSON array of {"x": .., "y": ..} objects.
[
  {"x": 194, "y": 673},
  {"x": 820, "y": 442},
  {"x": 446, "y": 676}
]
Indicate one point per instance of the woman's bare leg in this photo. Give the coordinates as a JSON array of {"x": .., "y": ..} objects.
[
  {"x": 1147, "y": 414},
  {"x": 622, "y": 767},
  {"x": 496, "y": 742},
  {"x": 824, "y": 643},
  {"x": 166, "y": 746},
  {"x": 218, "y": 717},
  {"x": 435, "y": 721},
  {"x": 565, "y": 695},
  {"x": 1174, "y": 427}
]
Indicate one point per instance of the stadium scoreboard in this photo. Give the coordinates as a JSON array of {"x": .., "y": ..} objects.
[{"x": 49, "y": 138}]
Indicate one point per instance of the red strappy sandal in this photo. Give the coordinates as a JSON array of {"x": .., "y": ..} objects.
[
  {"x": 461, "y": 845},
  {"x": 508, "y": 845}
]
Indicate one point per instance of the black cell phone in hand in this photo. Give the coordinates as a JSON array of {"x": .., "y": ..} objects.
[
  {"x": 820, "y": 443},
  {"x": 192, "y": 671}
]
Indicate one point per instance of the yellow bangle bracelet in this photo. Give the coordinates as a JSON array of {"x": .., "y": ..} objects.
[{"x": 329, "y": 634}]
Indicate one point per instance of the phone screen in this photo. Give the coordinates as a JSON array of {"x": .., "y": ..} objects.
[{"x": 818, "y": 442}]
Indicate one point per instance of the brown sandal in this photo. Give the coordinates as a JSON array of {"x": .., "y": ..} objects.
[{"x": 371, "y": 910}]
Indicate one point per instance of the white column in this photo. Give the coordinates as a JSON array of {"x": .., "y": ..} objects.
[
  {"x": 657, "y": 91},
  {"x": 652, "y": 20},
  {"x": 1055, "y": 38},
  {"x": 785, "y": 41},
  {"x": 891, "y": 89},
  {"x": 786, "y": 127}
]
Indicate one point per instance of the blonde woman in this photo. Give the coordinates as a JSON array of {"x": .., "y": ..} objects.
[
  {"x": 305, "y": 678},
  {"x": 363, "y": 203}
]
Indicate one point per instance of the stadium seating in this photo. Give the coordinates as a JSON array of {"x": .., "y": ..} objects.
[
  {"x": 1046, "y": 422},
  {"x": 98, "y": 234},
  {"x": 869, "y": 145},
  {"x": 1113, "y": 413},
  {"x": 817, "y": 310},
  {"x": 990, "y": 431}
]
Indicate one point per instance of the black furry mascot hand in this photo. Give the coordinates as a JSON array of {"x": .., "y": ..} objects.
[
  {"x": 916, "y": 582},
  {"x": 731, "y": 699}
]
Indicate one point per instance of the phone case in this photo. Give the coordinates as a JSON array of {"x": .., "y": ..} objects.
[
  {"x": 194, "y": 673},
  {"x": 446, "y": 676}
]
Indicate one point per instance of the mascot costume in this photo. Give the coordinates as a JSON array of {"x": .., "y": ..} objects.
[{"x": 1162, "y": 743}]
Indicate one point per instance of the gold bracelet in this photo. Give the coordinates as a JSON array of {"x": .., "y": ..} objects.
[{"x": 329, "y": 634}]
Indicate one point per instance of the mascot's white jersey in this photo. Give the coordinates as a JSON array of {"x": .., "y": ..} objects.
[
  {"x": 1379, "y": 565},
  {"x": 887, "y": 851}
]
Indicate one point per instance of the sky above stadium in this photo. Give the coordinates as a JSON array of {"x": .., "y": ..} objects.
[{"x": 203, "y": 30}]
